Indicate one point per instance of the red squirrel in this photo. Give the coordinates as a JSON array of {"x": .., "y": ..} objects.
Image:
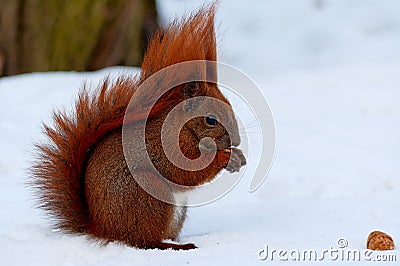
[{"x": 81, "y": 175}]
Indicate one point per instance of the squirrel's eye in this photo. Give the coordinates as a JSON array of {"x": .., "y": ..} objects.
[{"x": 211, "y": 120}]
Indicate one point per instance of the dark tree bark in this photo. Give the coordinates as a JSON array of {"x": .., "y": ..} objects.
[{"x": 44, "y": 35}]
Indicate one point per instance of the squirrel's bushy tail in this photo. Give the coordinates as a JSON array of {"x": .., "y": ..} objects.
[
  {"x": 59, "y": 168},
  {"x": 58, "y": 172}
]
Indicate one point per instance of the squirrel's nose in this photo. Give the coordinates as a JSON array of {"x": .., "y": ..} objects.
[{"x": 235, "y": 140}]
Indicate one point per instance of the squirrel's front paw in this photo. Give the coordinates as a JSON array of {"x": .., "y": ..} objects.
[{"x": 236, "y": 160}]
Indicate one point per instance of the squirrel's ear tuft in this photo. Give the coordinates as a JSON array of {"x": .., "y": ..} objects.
[{"x": 190, "y": 38}]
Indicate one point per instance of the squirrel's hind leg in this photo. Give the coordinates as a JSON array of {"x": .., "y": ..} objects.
[{"x": 177, "y": 223}]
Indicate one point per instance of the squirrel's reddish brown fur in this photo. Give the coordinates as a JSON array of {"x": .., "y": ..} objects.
[{"x": 81, "y": 175}]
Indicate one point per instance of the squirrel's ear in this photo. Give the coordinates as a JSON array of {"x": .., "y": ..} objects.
[{"x": 190, "y": 90}]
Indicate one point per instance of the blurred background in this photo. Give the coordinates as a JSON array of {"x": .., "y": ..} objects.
[
  {"x": 277, "y": 36},
  {"x": 273, "y": 35},
  {"x": 59, "y": 35}
]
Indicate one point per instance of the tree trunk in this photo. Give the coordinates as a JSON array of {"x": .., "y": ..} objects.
[{"x": 44, "y": 35}]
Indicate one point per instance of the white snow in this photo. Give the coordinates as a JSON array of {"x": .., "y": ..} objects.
[{"x": 332, "y": 78}]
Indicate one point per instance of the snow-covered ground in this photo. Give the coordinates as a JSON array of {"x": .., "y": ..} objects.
[{"x": 330, "y": 70}]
